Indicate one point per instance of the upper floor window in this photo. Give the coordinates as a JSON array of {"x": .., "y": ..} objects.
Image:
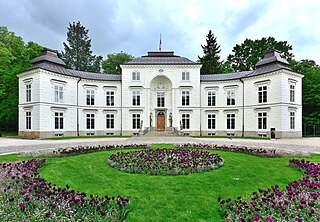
[
  {"x": 211, "y": 98},
  {"x": 90, "y": 97},
  {"x": 292, "y": 120},
  {"x": 231, "y": 98},
  {"x": 185, "y": 121},
  {"x": 135, "y": 75},
  {"x": 211, "y": 121},
  {"x": 90, "y": 121},
  {"x": 136, "y": 98},
  {"x": 292, "y": 92},
  {"x": 58, "y": 120},
  {"x": 28, "y": 93},
  {"x": 262, "y": 94},
  {"x": 58, "y": 94},
  {"x": 28, "y": 120},
  {"x": 110, "y": 121},
  {"x": 185, "y": 75},
  {"x": 231, "y": 121},
  {"x": 135, "y": 121},
  {"x": 160, "y": 99},
  {"x": 262, "y": 120},
  {"x": 109, "y": 98},
  {"x": 185, "y": 98}
]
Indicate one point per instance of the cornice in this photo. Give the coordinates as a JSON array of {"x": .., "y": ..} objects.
[{"x": 165, "y": 66}]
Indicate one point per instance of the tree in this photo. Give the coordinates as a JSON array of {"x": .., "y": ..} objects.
[
  {"x": 112, "y": 64},
  {"x": 310, "y": 90},
  {"x": 226, "y": 67},
  {"x": 210, "y": 60},
  {"x": 246, "y": 55},
  {"x": 77, "y": 53},
  {"x": 15, "y": 57}
]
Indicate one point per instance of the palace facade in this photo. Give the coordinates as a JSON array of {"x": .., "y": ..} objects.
[{"x": 159, "y": 92}]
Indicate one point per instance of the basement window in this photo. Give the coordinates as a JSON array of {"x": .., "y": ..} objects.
[{"x": 90, "y": 134}]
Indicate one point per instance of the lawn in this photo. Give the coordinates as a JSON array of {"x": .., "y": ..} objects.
[{"x": 170, "y": 198}]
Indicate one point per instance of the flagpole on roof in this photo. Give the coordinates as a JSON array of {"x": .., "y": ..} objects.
[{"x": 160, "y": 43}]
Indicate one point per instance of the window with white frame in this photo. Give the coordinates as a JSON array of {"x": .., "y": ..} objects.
[
  {"x": 110, "y": 98},
  {"x": 136, "y": 121},
  {"x": 292, "y": 120},
  {"x": 136, "y": 98},
  {"x": 90, "y": 96},
  {"x": 231, "y": 98},
  {"x": 110, "y": 121},
  {"x": 90, "y": 120},
  {"x": 28, "y": 120},
  {"x": 211, "y": 98},
  {"x": 28, "y": 93},
  {"x": 58, "y": 120},
  {"x": 185, "y": 75},
  {"x": 58, "y": 93},
  {"x": 292, "y": 92},
  {"x": 135, "y": 75},
  {"x": 262, "y": 94},
  {"x": 185, "y": 121},
  {"x": 231, "y": 121},
  {"x": 185, "y": 98},
  {"x": 211, "y": 121},
  {"x": 262, "y": 120},
  {"x": 160, "y": 99}
]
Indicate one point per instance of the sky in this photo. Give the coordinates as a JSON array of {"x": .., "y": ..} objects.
[{"x": 134, "y": 26}]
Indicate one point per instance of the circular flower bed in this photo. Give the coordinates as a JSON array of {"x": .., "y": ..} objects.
[{"x": 165, "y": 161}]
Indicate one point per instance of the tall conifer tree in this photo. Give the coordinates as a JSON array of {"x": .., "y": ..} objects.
[
  {"x": 77, "y": 52},
  {"x": 210, "y": 60}
]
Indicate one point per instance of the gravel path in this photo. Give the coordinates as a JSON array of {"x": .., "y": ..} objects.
[{"x": 300, "y": 146}]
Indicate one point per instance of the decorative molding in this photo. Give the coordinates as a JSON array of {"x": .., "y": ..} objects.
[
  {"x": 263, "y": 82},
  {"x": 28, "y": 80}
]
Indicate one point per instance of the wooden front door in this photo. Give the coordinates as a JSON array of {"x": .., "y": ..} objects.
[{"x": 161, "y": 121}]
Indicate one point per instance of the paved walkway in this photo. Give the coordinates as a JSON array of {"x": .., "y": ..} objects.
[{"x": 301, "y": 145}]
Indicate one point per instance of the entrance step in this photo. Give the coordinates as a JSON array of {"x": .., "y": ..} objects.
[{"x": 160, "y": 134}]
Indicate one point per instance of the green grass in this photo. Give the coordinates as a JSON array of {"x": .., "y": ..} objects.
[
  {"x": 234, "y": 137},
  {"x": 8, "y": 133},
  {"x": 81, "y": 137},
  {"x": 170, "y": 198}
]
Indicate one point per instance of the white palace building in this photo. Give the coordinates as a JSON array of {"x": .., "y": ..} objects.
[{"x": 159, "y": 92}]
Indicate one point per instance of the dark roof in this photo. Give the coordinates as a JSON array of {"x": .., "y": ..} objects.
[
  {"x": 75, "y": 73},
  {"x": 226, "y": 76},
  {"x": 272, "y": 57},
  {"x": 161, "y": 58}
]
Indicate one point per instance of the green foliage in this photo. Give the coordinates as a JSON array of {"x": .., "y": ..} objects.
[
  {"x": 210, "y": 60},
  {"x": 310, "y": 90},
  {"x": 15, "y": 57},
  {"x": 77, "y": 53},
  {"x": 226, "y": 67},
  {"x": 245, "y": 56},
  {"x": 112, "y": 64}
]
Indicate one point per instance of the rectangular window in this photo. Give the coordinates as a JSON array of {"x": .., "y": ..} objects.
[
  {"x": 292, "y": 89},
  {"x": 135, "y": 121},
  {"x": 28, "y": 93},
  {"x": 211, "y": 98},
  {"x": 110, "y": 121},
  {"x": 262, "y": 94},
  {"x": 211, "y": 121},
  {"x": 185, "y": 76},
  {"x": 292, "y": 120},
  {"x": 262, "y": 120},
  {"x": 185, "y": 121},
  {"x": 58, "y": 120},
  {"x": 185, "y": 98},
  {"x": 109, "y": 98},
  {"x": 58, "y": 94},
  {"x": 231, "y": 121},
  {"x": 135, "y": 75},
  {"x": 90, "y": 97},
  {"x": 136, "y": 98},
  {"x": 160, "y": 99},
  {"x": 90, "y": 120},
  {"x": 231, "y": 98},
  {"x": 28, "y": 120}
]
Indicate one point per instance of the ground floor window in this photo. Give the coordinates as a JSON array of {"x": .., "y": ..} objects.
[
  {"x": 231, "y": 121},
  {"x": 185, "y": 121},
  {"x": 58, "y": 120},
  {"x": 135, "y": 121},
  {"x": 28, "y": 120},
  {"x": 292, "y": 120},
  {"x": 262, "y": 120},
  {"x": 90, "y": 121},
  {"x": 110, "y": 121},
  {"x": 211, "y": 121}
]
